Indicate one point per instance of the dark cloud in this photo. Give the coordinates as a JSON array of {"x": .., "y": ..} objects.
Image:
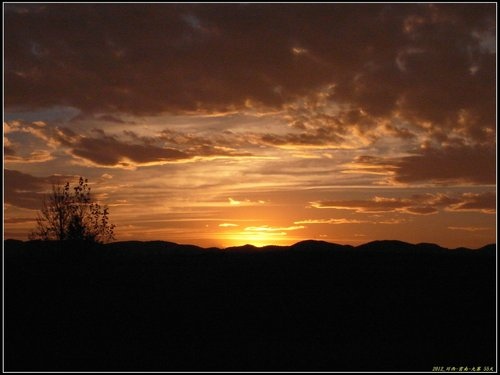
[
  {"x": 400, "y": 132},
  {"x": 128, "y": 151},
  {"x": 113, "y": 119},
  {"x": 473, "y": 164},
  {"x": 27, "y": 191},
  {"x": 427, "y": 63},
  {"x": 423, "y": 204},
  {"x": 110, "y": 152},
  {"x": 216, "y": 144},
  {"x": 85, "y": 117},
  {"x": 451, "y": 164},
  {"x": 318, "y": 137},
  {"x": 106, "y": 118},
  {"x": 485, "y": 202},
  {"x": 9, "y": 151},
  {"x": 224, "y": 143}
]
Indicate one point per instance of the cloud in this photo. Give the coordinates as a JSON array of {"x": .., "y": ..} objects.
[
  {"x": 30, "y": 142},
  {"x": 37, "y": 156},
  {"x": 375, "y": 205},
  {"x": 233, "y": 202},
  {"x": 451, "y": 164},
  {"x": 473, "y": 164},
  {"x": 268, "y": 229},
  {"x": 470, "y": 229},
  {"x": 8, "y": 150},
  {"x": 102, "y": 149},
  {"x": 484, "y": 202},
  {"x": 349, "y": 221},
  {"x": 108, "y": 151},
  {"x": 429, "y": 64},
  {"x": 113, "y": 119},
  {"x": 391, "y": 221},
  {"x": 228, "y": 225},
  {"x": 27, "y": 191},
  {"x": 331, "y": 221},
  {"x": 83, "y": 117},
  {"x": 319, "y": 137},
  {"x": 157, "y": 149},
  {"x": 424, "y": 204},
  {"x": 37, "y": 129},
  {"x": 246, "y": 202}
]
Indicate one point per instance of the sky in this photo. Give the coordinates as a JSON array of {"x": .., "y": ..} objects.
[{"x": 228, "y": 124}]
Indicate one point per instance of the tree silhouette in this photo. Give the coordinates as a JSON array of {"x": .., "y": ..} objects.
[{"x": 73, "y": 215}]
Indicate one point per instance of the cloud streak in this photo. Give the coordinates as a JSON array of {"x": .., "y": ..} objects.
[
  {"x": 228, "y": 225},
  {"x": 424, "y": 204},
  {"x": 268, "y": 229},
  {"x": 470, "y": 229},
  {"x": 349, "y": 221},
  {"x": 331, "y": 221}
]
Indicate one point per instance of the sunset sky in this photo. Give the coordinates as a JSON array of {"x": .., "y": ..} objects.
[{"x": 227, "y": 124}]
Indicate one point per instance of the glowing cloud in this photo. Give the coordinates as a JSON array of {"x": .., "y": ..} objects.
[
  {"x": 228, "y": 225},
  {"x": 265, "y": 228},
  {"x": 331, "y": 221},
  {"x": 470, "y": 229}
]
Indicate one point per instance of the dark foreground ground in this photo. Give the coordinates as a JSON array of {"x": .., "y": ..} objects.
[{"x": 312, "y": 307}]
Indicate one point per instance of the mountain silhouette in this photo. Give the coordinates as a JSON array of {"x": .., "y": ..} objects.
[
  {"x": 155, "y": 247},
  {"x": 490, "y": 249},
  {"x": 164, "y": 247},
  {"x": 311, "y": 245},
  {"x": 312, "y": 306},
  {"x": 242, "y": 249}
]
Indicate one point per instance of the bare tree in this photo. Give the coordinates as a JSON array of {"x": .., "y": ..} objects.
[{"x": 73, "y": 215}]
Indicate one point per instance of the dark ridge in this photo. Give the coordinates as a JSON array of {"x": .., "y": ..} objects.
[
  {"x": 251, "y": 249},
  {"x": 241, "y": 249},
  {"x": 274, "y": 248},
  {"x": 165, "y": 247},
  {"x": 490, "y": 249},
  {"x": 311, "y": 307},
  {"x": 386, "y": 245},
  {"x": 156, "y": 247},
  {"x": 430, "y": 247},
  {"x": 315, "y": 246},
  {"x": 213, "y": 249},
  {"x": 11, "y": 242}
]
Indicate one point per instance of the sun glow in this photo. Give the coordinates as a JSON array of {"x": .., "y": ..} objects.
[
  {"x": 257, "y": 239},
  {"x": 260, "y": 236}
]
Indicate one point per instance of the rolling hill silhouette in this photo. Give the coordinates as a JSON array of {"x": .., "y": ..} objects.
[{"x": 312, "y": 306}]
